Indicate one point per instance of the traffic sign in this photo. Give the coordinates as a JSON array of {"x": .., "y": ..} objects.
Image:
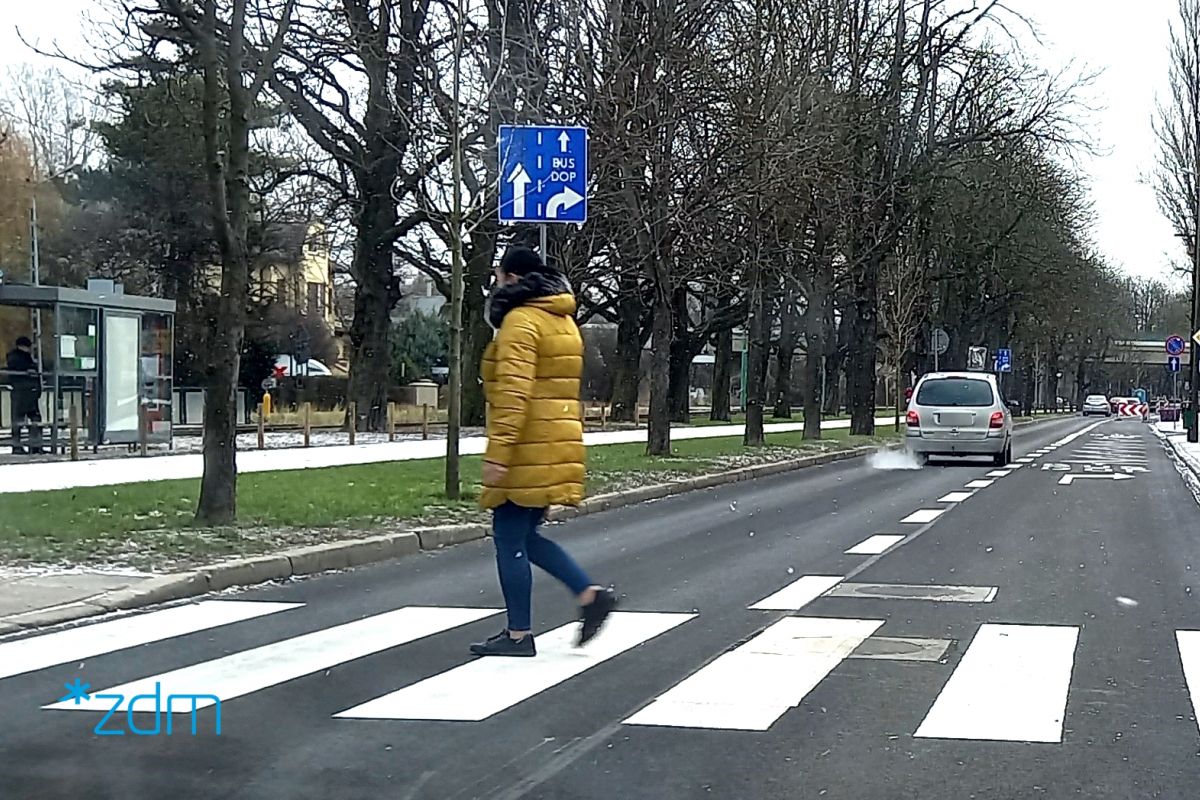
[
  {"x": 543, "y": 173},
  {"x": 976, "y": 357},
  {"x": 1175, "y": 345},
  {"x": 939, "y": 341},
  {"x": 1172, "y": 363},
  {"x": 1004, "y": 360},
  {"x": 1196, "y": 337}
]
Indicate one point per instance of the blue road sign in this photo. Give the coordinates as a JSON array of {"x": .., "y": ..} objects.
[
  {"x": 543, "y": 173},
  {"x": 1004, "y": 360},
  {"x": 1175, "y": 345},
  {"x": 1172, "y": 363}
]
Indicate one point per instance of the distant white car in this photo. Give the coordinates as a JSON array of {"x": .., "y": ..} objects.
[
  {"x": 1098, "y": 405},
  {"x": 291, "y": 368}
]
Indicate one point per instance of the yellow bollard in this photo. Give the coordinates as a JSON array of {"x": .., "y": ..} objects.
[{"x": 266, "y": 405}]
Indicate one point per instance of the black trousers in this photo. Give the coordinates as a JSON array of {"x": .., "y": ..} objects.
[{"x": 26, "y": 414}]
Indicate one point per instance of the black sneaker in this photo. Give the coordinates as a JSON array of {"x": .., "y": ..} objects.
[
  {"x": 595, "y": 613},
  {"x": 504, "y": 645}
]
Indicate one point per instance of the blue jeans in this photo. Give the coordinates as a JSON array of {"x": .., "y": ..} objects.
[{"x": 518, "y": 543}]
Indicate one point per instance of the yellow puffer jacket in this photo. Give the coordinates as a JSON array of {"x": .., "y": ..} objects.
[{"x": 531, "y": 375}]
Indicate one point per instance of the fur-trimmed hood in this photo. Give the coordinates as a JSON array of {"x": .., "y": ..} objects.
[{"x": 549, "y": 291}]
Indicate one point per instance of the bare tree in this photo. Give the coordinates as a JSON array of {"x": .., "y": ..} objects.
[
  {"x": 55, "y": 114},
  {"x": 235, "y": 68}
]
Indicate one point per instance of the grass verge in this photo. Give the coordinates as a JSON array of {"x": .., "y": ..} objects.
[{"x": 149, "y": 525}]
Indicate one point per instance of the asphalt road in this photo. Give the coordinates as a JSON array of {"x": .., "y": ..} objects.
[{"x": 755, "y": 658}]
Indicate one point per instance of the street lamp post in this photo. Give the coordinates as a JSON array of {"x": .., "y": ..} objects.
[{"x": 1193, "y": 433}]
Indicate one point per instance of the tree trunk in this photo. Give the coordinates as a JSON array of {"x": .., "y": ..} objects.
[
  {"x": 788, "y": 333},
  {"x": 1030, "y": 388},
  {"x": 681, "y": 360},
  {"x": 860, "y": 372},
  {"x": 370, "y": 351},
  {"x": 658, "y": 440},
  {"x": 476, "y": 336},
  {"x": 722, "y": 377},
  {"x": 758, "y": 331},
  {"x": 626, "y": 377},
  {"x": 218, "y": 486},
  {"x": 226, "y": 168},
  {"x": 377, "y": 291}
]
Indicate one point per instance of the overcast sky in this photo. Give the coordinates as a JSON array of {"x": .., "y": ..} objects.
[{"x": 1125, "y": 42}]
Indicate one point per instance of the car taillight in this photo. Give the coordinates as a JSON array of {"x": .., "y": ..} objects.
[
  {"x": 997, "y": 420},
  {"x": 914, "y": 421}
]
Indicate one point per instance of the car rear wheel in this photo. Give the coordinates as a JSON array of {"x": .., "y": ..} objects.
[{"x": 1002, "y": 458}]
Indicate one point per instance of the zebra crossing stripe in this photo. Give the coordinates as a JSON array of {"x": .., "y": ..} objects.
[
  {"x": 1189, "y": 654},
  {"x": 479, "y": 689},
  {"x": 262, "y": 667},
  {"x": 752, "y": 686},
  {"x": 100, "y": 638},
  {"x": 800, "y": 593},
  {"x": 1011, "y": 685},
  {"x": 876, "y": 544}
]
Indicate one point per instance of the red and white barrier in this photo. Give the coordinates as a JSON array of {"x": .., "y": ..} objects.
[{"x": 1132, "y": 410}]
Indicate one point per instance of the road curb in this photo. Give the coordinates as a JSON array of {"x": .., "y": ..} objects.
[{"x": 313, "y": 559}]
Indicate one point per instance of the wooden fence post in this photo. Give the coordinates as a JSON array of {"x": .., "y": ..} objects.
[
  {"x": 143, "y": 432},
  {"x": 262, "y": 428},
  {"x": 425, "y": 421},
  {"x": 353, "y": 421},
  {"x": 604, "y": 416},
  {"x": 307, "y": 424},
  {"x": 74, "y": 421},
  {"x": 391, "y": 421}
]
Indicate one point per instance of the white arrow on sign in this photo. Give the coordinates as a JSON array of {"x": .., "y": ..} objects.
[
  {"x": 520, "y": 180},
  {"x": 564, "y": 141},
  {"x": 1067, "y": 480},
  {"x": 564, "y": 200}
]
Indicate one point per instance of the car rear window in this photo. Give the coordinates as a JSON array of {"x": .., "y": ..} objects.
[
  {"x": 1096, "y": 398},
  {"x": 955, "y": 392}
]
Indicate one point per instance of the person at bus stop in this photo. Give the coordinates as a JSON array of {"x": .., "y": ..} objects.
[
  {"x": 535, "y": 454},
  {"x": 22, "y": 375}
]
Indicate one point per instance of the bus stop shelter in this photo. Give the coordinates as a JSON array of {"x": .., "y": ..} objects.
[{"x": 105, "y": 359}]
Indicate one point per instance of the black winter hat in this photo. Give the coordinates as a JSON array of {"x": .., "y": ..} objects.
[{"x": 522, "y": 261}]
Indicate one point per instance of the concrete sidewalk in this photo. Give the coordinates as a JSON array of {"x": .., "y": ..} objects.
[
  {"x": 16, "y": 478},
  {"x": 1176, "y": 437}
]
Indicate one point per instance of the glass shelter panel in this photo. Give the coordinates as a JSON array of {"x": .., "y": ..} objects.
[{"x": 121, "y": 339}]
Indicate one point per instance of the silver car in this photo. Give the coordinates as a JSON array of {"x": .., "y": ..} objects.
[
  {"x": 959, "y": 414},
  {"x": 1096, "y": 404}
]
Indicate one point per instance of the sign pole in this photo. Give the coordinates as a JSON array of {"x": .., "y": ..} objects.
[{"x": 542, "y": 231}]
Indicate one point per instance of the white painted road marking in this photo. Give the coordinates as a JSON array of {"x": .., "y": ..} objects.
[
  {"x": 979, "y": 484},
  {"x": 1024, "y": 460},
  {"x": 924, "y": 515},
  {"x": 1011, "y": 685},
  {"x": 999, "y": 473},
  {"x": 798, "y": 593},
  {"x": 752, "y": 686},
  {"x": 1067, "y": 480},
  {"x": 955, "y": 497},
  {"x": 875, "y": 545},
  {"x": 252, "y": 670},
  {"x": 1189, "y": 654},
  {"x": 487, "y": 686},
  {"x": 76, "y": 644}
]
